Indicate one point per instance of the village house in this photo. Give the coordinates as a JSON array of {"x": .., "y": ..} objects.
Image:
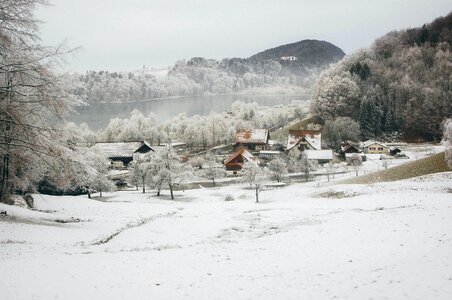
[
  {"x": 252, "y": 139},
  {"x": 236, "y": 160},
  {"x": 373, "y": 147},
  {"x": 301, "y": 140},
  {"x": 122, "y": 153},
  {"x": 348, "y": 149}
]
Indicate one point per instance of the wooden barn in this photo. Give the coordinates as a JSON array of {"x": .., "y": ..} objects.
[
  {"x": 122, "y": 153},
  {"x": 236, "y": 160}
]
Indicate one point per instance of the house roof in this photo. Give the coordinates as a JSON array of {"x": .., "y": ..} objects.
[
  {"x": 251, "y": 136},
  {"x": 346, "y": 147},
  {"x": 313, "y": 137},
  {"x": 121, "y": 149},
  {"x": 319, "y": 154},
  {"x": 371, "y": 142},
  {"x": 242, "y": 151}
]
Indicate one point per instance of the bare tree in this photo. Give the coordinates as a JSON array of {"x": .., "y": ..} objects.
[{"x": 31, "y": 98}]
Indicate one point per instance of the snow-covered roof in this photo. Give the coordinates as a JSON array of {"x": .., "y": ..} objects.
[
  {"x": 269, "y": 152},
  {"x": 118, "y": 149},
  {"x": 251, "y": 136},
  {"x": 123, "y": 149},
  {"x": 371, "y": 142},
  {"x": 319, "y": 154},
  {"x": 313, "y": 137},
  {"x": 348, "y": 155},
  {"x": 243, "y": 152}
]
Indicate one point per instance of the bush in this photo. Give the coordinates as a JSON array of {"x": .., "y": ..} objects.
[{"x": 229, "y": 198}]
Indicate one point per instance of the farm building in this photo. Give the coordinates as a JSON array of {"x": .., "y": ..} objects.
[
  {"x": 348, "y": 149},
  {"x": 236, "y": 160},
  {"x": 122, "y": 153}
]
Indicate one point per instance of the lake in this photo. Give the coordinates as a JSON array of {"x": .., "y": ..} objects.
[{"x": 98, "y": 115}]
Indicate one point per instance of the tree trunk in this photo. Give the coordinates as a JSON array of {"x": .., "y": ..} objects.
[
  {"x": 257, "y": 195},
  {"x": 100, "y": 193},
  {"x": 5, "y": 191},
  {"x": 213, "y": 181},
  {"x": 171, "y": 191},
  {"x": 144, "y": 189},
  {"x": 89, "y": 194}
]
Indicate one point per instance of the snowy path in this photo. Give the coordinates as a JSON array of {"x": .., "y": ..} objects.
[{"x": 384, "y": 241}]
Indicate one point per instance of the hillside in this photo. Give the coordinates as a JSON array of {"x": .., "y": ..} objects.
[
  {"x": 399, "y": 84},
  {"x": 428, "y": 165},
  {"x": 310, "y": 53}
]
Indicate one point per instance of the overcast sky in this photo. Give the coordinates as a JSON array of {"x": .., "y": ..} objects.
[{"x": 124, "y": 35}]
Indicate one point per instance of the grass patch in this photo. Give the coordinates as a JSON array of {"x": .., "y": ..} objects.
[
  {"x": 423, "y": 166},
  {"x": 337, "y": 194}
]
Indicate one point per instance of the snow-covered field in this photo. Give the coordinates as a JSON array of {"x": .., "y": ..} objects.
[{"x": 381, "y": 241}]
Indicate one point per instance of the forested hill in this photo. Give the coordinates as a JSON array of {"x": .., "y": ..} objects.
[
  {"x": 402, "y": 83},
  {"x": 308, "y": 52},
  {"x": 200, "y": 76}
]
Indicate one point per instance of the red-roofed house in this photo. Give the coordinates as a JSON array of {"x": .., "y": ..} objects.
[
  {"x": 236, "y": 160},
  {"x": 252, "y": 139}
]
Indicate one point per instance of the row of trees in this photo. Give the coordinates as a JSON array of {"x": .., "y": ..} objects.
[
  {"x": 401, "y": 83},
  {"x": 198, "y": 132}
]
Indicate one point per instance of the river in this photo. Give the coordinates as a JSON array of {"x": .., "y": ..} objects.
[{"x": 98, "y": 115}]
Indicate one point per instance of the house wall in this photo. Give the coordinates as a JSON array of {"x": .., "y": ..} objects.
[{"x": 377, "y": 149}]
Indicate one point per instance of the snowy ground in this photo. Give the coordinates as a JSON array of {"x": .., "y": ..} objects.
[{"x": 381, "y": 241}]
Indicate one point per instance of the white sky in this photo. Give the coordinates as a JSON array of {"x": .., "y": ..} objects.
[{"x": 127, "y": 34}]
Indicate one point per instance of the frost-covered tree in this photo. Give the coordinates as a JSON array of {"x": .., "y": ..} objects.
[
  {"x": 306, "y": 165},
  {"x": 330, "y": 170},
  {"x": 277, "y": 168},
  {"x": 100, "y": 181},
  {"x": 212, "y": 169},
  {"x": 255, "y": 176},
  {"x": 167, "y": 169},
  {"x": 340, "y": 130},
  {"x": 140, "y": 169}
]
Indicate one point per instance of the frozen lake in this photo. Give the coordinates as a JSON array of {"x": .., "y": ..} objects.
[{"x": 98, "y": 115}]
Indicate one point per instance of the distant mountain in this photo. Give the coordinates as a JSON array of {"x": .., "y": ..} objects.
[
  {"x": 271, "y": 69},
  {"x": 310, "y": 53}
]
